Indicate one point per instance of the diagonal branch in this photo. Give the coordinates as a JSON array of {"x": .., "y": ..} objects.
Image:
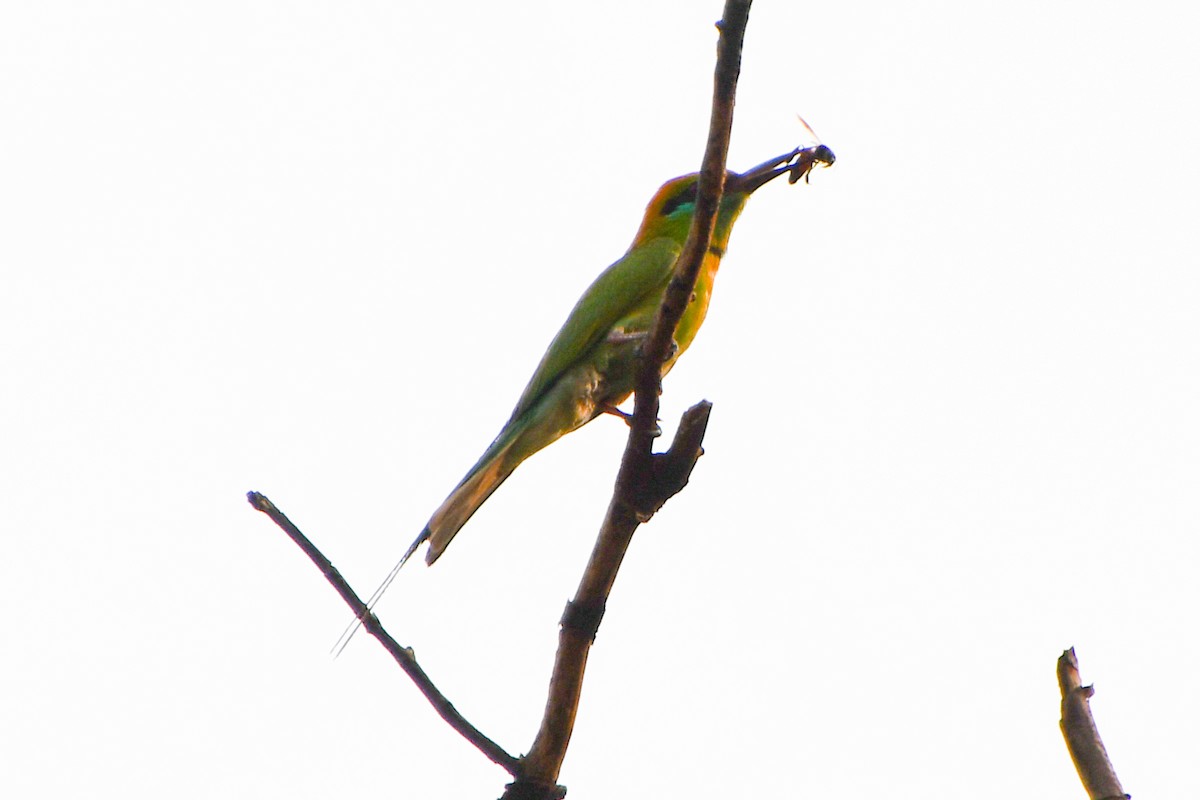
[
  {"x": 645, "y": 480},
  {"x": 403, "y": 655},
  {"x": 1082, "y": 736}
]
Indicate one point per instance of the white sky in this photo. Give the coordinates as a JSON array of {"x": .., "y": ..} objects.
[{"x": 315, "y": 250}]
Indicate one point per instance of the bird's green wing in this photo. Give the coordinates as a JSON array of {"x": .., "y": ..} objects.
[{"x": 638, "y": 276}]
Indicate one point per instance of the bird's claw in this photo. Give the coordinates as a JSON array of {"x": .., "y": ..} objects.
[{"x": 616, "y": 412}]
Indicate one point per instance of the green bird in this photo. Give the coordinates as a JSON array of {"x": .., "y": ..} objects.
[
  {"x": 589, "y": 367},
  {"x": 588, "y": 370}
]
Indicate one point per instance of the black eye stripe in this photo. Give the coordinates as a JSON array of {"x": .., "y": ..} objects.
[{"x": 688, "y": 195}]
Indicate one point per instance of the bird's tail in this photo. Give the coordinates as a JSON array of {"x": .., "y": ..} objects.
[
  {"x": 377, "y": 595},
  {"x": 504, "y": 456},
  {"x": 357, "y": 622},
  {"x": 491, "y": 471},
  {"x": 558, "y": 412}
]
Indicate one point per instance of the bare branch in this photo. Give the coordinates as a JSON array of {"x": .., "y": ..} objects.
[
  {"x": 645, "y": 481},
  {"x": 403, "y": 655},
  {"x": 1082, "y": 737}
]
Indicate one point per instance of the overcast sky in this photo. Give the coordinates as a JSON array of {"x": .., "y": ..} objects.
[{"x": 316, "y": 249}]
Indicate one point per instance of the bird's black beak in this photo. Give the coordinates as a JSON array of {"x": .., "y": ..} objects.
[{"x": 798, "y": 162}]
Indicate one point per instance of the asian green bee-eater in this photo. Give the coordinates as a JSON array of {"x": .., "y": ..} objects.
[{"x": 589, "y": 367}]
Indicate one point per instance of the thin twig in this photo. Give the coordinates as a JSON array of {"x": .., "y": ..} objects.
[
  {"x": 403, "y": 655},
  {"x": 1082, "y": 737},
  {"x": 644, "y": 481}
]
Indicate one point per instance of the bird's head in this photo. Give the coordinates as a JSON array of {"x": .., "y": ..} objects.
[{"x": 670, "y": 211}]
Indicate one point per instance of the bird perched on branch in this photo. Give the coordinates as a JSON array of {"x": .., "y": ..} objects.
[{"x": 589, "y": 367}]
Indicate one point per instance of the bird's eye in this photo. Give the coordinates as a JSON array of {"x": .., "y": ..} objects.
[{"x": 687, "y": 196}]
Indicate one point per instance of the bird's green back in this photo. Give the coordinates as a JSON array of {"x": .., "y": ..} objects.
[
  {"x": 632, "y": 288},
  {"x": 637, "y": 279}
]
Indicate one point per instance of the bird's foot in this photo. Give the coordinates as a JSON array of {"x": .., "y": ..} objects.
[{"x": 616, "y": 412}]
